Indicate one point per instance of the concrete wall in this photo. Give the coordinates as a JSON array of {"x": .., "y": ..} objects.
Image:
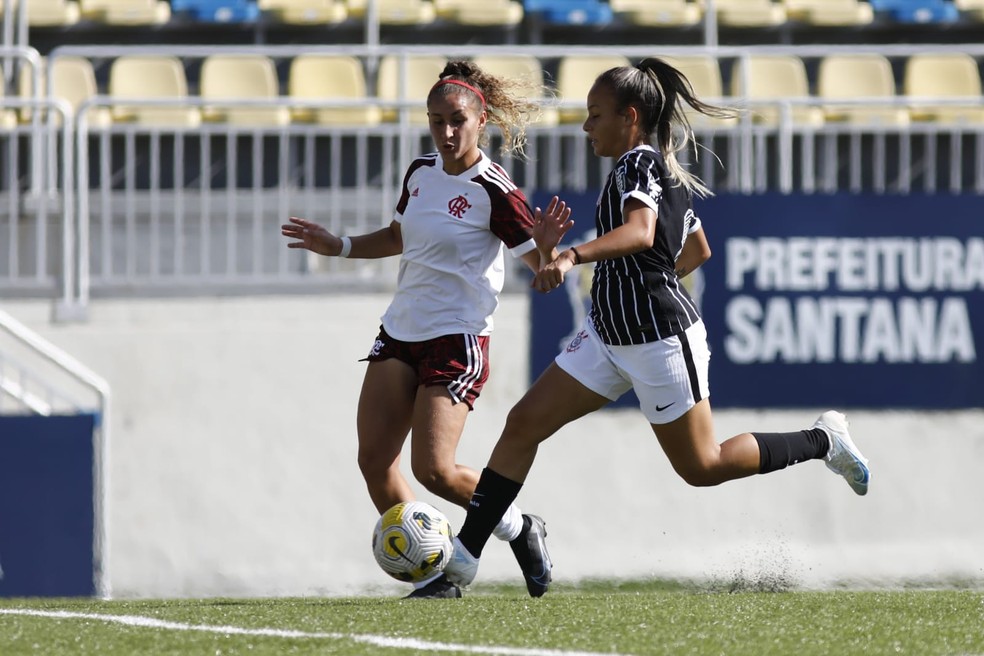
[{"x": 233, "y": 467}]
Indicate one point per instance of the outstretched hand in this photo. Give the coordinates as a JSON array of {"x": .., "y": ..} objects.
[
  {"x": 551, "y": 225},
  {"x": 311, "y": 236}
]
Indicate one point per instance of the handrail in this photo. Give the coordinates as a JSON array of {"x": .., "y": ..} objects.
[
  {"x": 32, "y": 57},
  {"x": 67, "y": 307},
  {"x": 101, "y": 437}
]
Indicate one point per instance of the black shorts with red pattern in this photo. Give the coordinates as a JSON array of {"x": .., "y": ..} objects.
[{"x": 458, "y": 362}]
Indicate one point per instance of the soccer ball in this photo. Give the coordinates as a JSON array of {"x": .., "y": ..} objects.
[{"x": 412, "y": 541}]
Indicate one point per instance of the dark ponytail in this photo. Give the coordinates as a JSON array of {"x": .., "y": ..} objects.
[{"x": 659, "y": 92}]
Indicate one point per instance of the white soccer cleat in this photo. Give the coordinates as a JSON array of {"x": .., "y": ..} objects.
[
  {"x": 843, "y": 457},
  {"x": 463, "y": 567}
]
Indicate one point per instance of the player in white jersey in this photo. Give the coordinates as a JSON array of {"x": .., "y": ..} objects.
[
  {"x": 457, "y": 213},
  {"x": 643, "y": 331}
]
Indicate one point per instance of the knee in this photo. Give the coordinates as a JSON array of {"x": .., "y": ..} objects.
[
  {"x": 436, "y": 480},
  {"x": 521, "y": 426},
  {"x": 372, "y": 465}
]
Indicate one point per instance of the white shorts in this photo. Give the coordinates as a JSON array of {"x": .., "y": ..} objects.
[{"x": 668, "y": 376}]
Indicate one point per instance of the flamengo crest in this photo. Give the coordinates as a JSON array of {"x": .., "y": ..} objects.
[{"x": 458, "y": 206}]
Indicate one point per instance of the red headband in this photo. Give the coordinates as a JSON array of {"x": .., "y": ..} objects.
[{"x": 461, "y": 84}]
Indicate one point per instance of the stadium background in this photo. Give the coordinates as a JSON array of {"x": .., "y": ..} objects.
[{"x": 145, "y": 247}]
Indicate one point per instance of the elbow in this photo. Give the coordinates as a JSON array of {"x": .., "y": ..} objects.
[{"x": 705, "y": 254}]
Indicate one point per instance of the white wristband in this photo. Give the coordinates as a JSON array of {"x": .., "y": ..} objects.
[{"x": 346, "y": 247}]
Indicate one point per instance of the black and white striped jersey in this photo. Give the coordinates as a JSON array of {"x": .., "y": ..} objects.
[{"x": 639, "y": 298}]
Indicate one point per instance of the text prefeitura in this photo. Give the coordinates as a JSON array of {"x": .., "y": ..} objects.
[{"x": 888, "y": 299}]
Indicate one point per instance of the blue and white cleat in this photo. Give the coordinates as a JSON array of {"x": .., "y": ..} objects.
[
  {"x": 843, "y": 457},
  {"x": 463, "y": 567}
]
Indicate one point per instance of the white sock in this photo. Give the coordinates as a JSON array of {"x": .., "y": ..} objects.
[{"x": 510, "y": 525}]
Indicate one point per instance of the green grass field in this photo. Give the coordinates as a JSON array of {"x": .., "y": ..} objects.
[{"x": 641, "y": 618}]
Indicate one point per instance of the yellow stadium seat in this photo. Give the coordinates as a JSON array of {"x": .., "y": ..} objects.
[
  {"x": 422, "y": 73},
  {"x": 749, "y": 13},
  {"x": 241, "y": 77},
  {"x": 858, "y": 76},
  {"x": 576, "y": 75},
  {"x": 656, "y": 13},
  {"x": 72, "y": 80},
  {"x": 973, "y": 9},
  {"x": 152, "y": 77},
  {"x": 775, "y": 77},
  {"x": 484, "y": 13},
  {"x": 330, "y": 77},
  {"x": 127, "y": 12},
  {"x": 396, "y": 12},
  {"x": 830, "y": 12},
  {"x": 53, "y": 13},
  {"x": 704, "y": 74},
  {"x": 306, "y": 12},
  {"x": 8, "y": 117},
  {"x": 944, "y": 75},
  {"x": 522, "y": 67}
]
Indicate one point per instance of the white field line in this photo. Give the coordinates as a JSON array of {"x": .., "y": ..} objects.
[{"x": 379, "y": 641}]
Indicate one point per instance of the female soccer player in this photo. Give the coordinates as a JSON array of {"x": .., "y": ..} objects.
[
  {"x": 643, "y": 330},
  {"x": 430, "y": 360}
]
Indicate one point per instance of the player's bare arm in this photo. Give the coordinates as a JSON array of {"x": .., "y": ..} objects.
[
  {"x": 385, "y": 242},
  {"x": 695, "y": 252},
  {"x": 637, "y": 233}
]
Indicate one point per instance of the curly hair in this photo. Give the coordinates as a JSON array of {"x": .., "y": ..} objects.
[{"x": 507, "y": 101}]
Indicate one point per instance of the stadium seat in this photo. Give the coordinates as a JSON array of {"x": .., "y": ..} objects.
[
  {"x": 504, "y": 13},
  {"x": 704, "y": 74},
  {"x": 396, "y": 12},
  {"x": 217, "y": 11},
  {"x": 241, "y": 77},
  {"x": 330, "y": 77},
  {"x": 917, "y": 11},
  {"x": 830, "y": 12},
  {"x": 525, "y": 67},
  {"x": 151, "y": 77},
  {"x": 73, "y": 80},
  {"x": 422, "y": 73},
  {"x": 973, "y": 9},
  {"x": 8, "y": 117},
  {"x": 944, "y": 75},
  {"x": 126, "y": 12},
  {"x": 53, "y": 13},
  {"x": 858, "y": 76},
  {"x": 750, "y": 13},
  {"x": 657, "y": 13},
  {"x": 775, "y": 77},
  {"x": 575, "y": 76},
  {"x": 305, "y": 12},
  {"x": 570, "y": 12}
]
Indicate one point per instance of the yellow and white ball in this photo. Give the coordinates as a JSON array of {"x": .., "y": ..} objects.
[{"x": 412, "y": 541}]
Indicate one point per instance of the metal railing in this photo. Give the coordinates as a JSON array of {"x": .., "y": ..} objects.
[{"x": 189, "y": 210}]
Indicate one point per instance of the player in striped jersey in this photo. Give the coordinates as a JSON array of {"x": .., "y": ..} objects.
[
  {"x": 643, "y": 331},
  {"x": 456, "y": 214}
]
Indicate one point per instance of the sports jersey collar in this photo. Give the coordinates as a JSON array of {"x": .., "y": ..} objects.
[{"x": 476, "y": 169}]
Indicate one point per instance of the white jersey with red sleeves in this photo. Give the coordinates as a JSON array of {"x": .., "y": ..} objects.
[{"x": 454, "y": 229}]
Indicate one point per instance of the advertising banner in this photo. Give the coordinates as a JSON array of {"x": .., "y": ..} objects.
[
  {"x": 827, "y": 300},
  {"x": 46, "y": 506}
]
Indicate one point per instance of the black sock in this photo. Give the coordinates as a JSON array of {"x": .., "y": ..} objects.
[
  {"x": 779, "y": 450},
  {"x": 488, "y": 504}
]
